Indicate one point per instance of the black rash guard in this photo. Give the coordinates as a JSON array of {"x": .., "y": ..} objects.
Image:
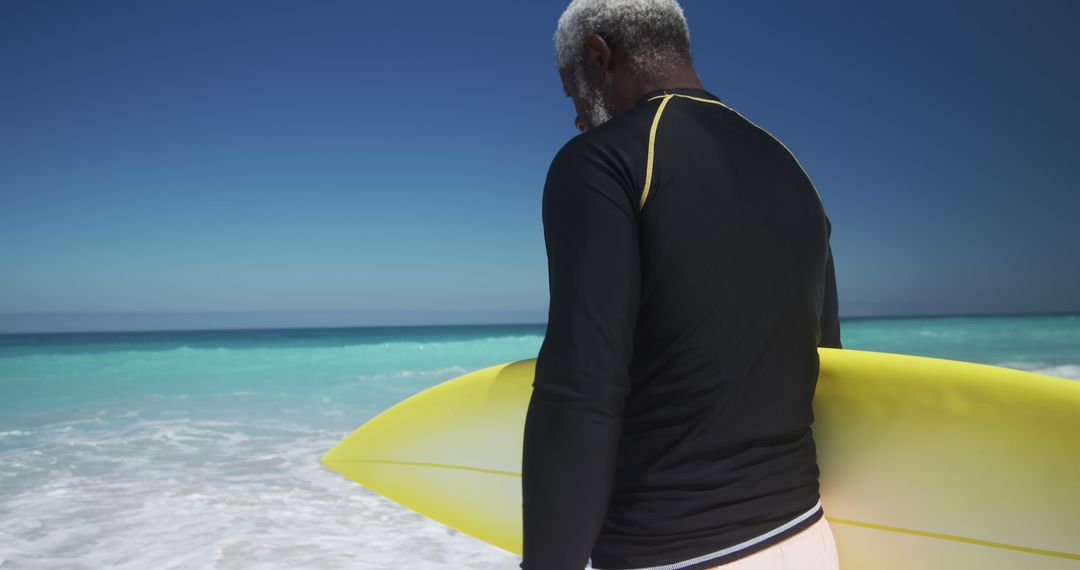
[{"x": 691, "y": 282}]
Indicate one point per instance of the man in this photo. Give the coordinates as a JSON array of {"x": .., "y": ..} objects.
[{"x": 691, "y": 282}]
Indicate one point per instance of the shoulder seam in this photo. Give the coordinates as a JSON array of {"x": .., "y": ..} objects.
[
  {"x": 714, "y": 102},
  {"x": 652, "y": 144}
]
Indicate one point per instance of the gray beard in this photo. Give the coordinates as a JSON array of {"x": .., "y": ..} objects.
[
  {"x": 597, "y": 109},
  {"x": 596, "y": 112}
]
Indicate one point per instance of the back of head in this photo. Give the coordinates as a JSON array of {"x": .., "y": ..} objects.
[{"x": 653, "y": 34}]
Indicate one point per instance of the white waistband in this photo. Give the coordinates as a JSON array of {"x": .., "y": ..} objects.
[{"x": 730, "y": 549}]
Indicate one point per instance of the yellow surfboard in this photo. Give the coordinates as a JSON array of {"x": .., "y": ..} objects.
[{"x": 925, "y": 463}]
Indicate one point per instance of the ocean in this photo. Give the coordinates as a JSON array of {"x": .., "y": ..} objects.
[{"x": 199, "y": 449}]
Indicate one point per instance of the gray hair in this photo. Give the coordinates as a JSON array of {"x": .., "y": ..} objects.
[{"x": 653, "y": 33}]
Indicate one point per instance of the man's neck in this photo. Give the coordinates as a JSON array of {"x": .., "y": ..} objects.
[{"x": 683, "y": 78}]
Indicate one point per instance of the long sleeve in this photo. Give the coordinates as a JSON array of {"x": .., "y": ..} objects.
[
  {"x": 830, "y": 314},
  {"x": 573, "y": 422}
]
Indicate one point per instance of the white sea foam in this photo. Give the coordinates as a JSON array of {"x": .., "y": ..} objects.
[
  {"x": 1070, "y": 371},
  {"x": 448, "y": 371},
  {"x": 182, "y": 493}
]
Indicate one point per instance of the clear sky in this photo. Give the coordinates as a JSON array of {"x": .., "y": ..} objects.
[{"x": 382, "y": 156}]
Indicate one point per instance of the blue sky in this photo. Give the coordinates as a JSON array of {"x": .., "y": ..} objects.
[{"x": 340, "y": 158}]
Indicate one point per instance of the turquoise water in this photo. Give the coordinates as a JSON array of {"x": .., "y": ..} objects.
[{"x": 200, "y": 449}]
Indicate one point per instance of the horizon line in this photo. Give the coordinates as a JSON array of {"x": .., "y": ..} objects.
[{"x": 230, "y": 328}]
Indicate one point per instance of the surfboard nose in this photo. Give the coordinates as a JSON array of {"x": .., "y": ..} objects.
[{"x": 451, "y": 452}]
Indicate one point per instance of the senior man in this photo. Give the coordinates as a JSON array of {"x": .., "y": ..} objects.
[{"x": 691, "y": 282}]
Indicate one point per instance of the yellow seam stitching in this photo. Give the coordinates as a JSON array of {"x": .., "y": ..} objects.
[
  {"x": 652, "y": 140},
  {"x": 752, "y": 123}
]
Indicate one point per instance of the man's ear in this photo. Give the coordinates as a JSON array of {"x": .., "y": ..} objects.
[{"x": 597, "y": 58}]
